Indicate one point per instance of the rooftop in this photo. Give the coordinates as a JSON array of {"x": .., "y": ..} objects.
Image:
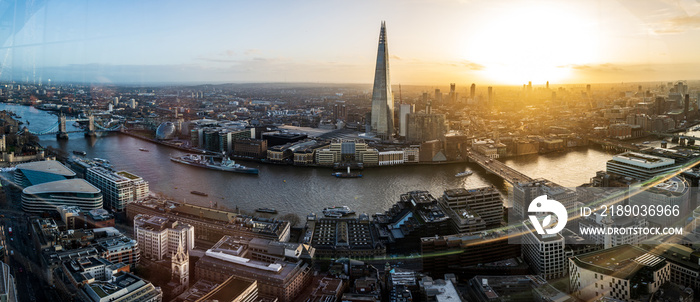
[
  {"x": 75, "y": 185},
  {"x": 640, "y": 159},
  {"x": 47, "y": 166},
  {"x": 620, "y": 262}
]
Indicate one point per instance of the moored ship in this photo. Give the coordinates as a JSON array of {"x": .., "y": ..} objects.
[
  {"x": 202, "y": 162},
  {"x": 337, "y": 211},
  {"x": 266, "y": 210},
  {"x": 347, "y": 174}
]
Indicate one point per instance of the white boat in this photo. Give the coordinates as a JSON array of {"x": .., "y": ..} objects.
[{"x": 465, "y": 173}]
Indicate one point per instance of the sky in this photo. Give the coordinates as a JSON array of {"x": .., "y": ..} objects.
[{"x": 430, "y": 42}]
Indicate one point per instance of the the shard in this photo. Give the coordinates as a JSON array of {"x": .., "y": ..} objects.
[{"x": 382, "y": 98}]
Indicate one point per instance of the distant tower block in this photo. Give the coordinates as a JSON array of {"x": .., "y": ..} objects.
[
  {"x": 472, "y": 91},
  {"x": 91, "y": 127},
  {"x": 62, "y": 133},
  {"x": 382, "y": 118}
]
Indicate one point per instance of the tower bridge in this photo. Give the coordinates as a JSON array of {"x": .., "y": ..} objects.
[{"x": 61, "y": 131}]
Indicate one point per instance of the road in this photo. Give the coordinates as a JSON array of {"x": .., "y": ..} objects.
[
  {"x": 20, "y": 255},
  {"x": 498, "y": 168}
]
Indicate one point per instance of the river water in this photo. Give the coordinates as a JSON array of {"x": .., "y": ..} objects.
[{"x": 302, "y": 190}]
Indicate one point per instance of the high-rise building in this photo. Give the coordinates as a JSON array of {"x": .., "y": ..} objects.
[
  {"x": 472, "y": 91},
  {"x": 485, "y": 202},
  {"x": 382, "y": 97},
  {"x": 544, "y": 253},
  {"x": 421, "y": 127},
  {"x": 118, "y": 188},
  {"x": 453, "y": 93},
  {"x": 438, "y": 96},
  {"x": 490, "y": 89},
  {"x": 404, "y": 111},
  {"x": 159, "y": 236}
]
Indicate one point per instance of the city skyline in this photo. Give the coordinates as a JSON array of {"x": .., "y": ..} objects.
[{"x": 510, "y": 42}]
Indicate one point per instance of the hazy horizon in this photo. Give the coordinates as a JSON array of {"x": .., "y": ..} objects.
[{"x": 430, "y": 42}]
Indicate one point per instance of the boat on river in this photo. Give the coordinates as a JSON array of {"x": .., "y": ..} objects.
[
  {"x": 465, "y": 173},
  {"x": 225, "y": 164}
]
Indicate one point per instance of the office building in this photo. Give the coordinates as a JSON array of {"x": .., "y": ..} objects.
[
  {"x": 211, "y": 224},
  {"x": 544, "y": 253},
  {"x": 404, "y": 111},
  {"x": 525, "y": 192},
  {"x": 486, "y": 202},
  {"x": 123, "y": 287},
  {"x": 382, "y": 122},
  {"x": 38, "y": 172},
  {"x": 516, "y": 288},
  {"x": 343, "y": 237},
  {"x": 422, "y": 127},
  {"x": 160, "y": 237},
  {"x": 672, "y": 193},
  {"x": 281, "y": 279},
  {"x": 472, "y": 91},
  {"x": 623, "y": 272},
  {"x": 684, "y": 262},
  {"x": 234, "y": 289},
  {"x": 8, "y": 288},
  {"x": 118, "y": 188},
  {"x": 462, "y": 253},
  {"x": 48, "y": 196},
  {"x": 439, "y": 289},
  {"x": 640, "y": 166},
  {"x": 249, "y": 147},
  {"x": 415, "y": 215}
]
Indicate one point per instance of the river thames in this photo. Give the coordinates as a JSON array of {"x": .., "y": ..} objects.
[{"x": 302, "y": 190}]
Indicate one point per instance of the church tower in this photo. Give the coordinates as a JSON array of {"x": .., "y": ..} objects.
[{"x": 180, "y": 267}]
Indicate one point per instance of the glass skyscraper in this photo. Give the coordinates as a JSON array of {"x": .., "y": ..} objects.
[{"x": 382, "y": 98}]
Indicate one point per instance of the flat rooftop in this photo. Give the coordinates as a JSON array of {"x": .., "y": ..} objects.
[
  {"x": 640, "y": 159},
  {"x": 620, "y": 262}
]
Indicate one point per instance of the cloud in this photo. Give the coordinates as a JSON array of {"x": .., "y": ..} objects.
[
  {"x": 472, "y": 65},
  {"x": 594, "y": 67},
  {"x": 678, "y": 25},
  {"x": 252, "y": 51},
  {"x": 395, "y": 57}
]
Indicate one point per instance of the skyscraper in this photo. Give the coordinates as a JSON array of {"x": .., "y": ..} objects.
[
  {"x": 472, "y": 91},
  {"x": 382, "y": 98}
]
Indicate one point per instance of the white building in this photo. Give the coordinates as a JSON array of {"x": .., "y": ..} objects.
[
  {"x": 623, "y": 272},
  {"x": 669, "y": 194},
  {"x": 596, "y": 220},
  {"x": 118, "y": 188},
  {"x": 404, "y": 111},
  {"x": 640, "y": 166},
  {"x": 388, "y": 158},
  {"x": 159, "y": 237},
  {"x": 544, "y": 253}
]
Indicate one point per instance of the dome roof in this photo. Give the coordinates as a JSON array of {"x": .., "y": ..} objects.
[{"x": 165, "y": 131}]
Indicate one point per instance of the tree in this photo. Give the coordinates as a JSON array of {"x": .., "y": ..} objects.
[{"x": 292, "y": 218}]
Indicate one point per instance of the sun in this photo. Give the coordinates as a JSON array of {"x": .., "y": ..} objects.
[{"x": 532, "y": 43}]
